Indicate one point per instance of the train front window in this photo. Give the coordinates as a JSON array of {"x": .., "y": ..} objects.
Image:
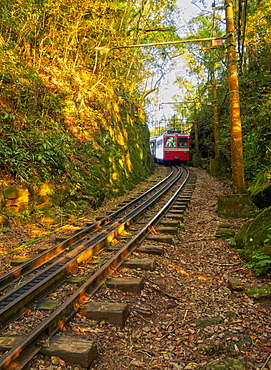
[
  {"x": 152, "y": 147},
  {"x": 182, "y": 142},
  {"x": 170, "y": 141}
]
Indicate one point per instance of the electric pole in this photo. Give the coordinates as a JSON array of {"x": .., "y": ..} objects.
[
  {"x": 216, "y": 123},
  {"x": 238, "y": 177},
  {"x": 196, "y": 128}
]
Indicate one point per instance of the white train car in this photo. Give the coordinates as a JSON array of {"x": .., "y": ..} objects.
[{"x": 171, "y": 147}]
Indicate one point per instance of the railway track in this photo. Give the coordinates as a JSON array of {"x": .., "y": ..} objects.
[{"x": 24, "y": 287}]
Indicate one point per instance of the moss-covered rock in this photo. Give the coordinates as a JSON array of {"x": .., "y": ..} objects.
[
  {"x": 257, "y": 237},
  {"x": 226, "y": 364},
  {"x": 235, "y": 284},
  {"x": 260, "y": 189},
  {"x": 240, "y": 236},
  {"x": 42, "y": 196},
  {"x": 16, "y": 199},
  {"x": 259, "y": 292},
  {"x": 235, "y": 206},
  {"x": 218, "y": 167},
  {"x": 49, "y": 221},
  {"x": 224, "y": 233}
]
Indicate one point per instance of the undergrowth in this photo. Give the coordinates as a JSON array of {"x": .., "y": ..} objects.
[{"x": 260, "y": 264}]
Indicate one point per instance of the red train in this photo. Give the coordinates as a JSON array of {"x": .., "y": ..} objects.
[{"x": 170, "y": 147}]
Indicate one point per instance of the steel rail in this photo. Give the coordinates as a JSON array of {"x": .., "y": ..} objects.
[
  {"x": 30, "y": 266},
  {"x": 18, "y": 356},
  {"x": 15, "y": 302}
]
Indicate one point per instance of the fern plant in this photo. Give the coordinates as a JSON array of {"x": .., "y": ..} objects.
[{"x": 260, "y": 264}]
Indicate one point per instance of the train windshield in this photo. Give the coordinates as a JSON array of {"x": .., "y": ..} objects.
[
  {"x": 170, "y": 141},
  {"x": 182, "y": 142}
]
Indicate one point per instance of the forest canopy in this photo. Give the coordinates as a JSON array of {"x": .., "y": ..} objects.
[{"x": 208, "y": 63}]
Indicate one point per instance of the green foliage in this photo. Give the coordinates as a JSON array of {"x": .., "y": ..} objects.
[
  {"x": 261, "y": 182},
  {"x": 25, "y": 153},
  {"x": 69, "y": 107},
  {"x": 260, "y": 264},
  {"x": 254, "y": 87}
]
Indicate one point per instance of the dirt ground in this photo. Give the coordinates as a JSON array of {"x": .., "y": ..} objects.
[
  {"x": 194, "y": 317},
  {"x": 186, "y": 316}
]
